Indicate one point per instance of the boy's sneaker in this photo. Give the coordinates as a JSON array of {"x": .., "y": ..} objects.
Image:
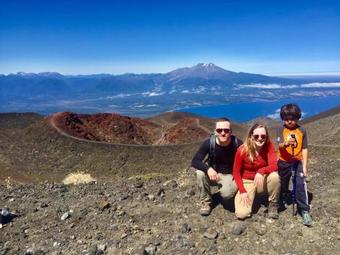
[
  {"x": 205, "y": 209},
  {"x": 306, "y": 218}
]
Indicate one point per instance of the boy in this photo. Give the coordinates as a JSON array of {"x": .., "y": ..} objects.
[{"x": 292, "y": 138}]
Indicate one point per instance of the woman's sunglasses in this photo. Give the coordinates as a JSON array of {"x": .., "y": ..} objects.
[
  {"x": 219, "y": 130},
  {"x": 263, "y": 137}
]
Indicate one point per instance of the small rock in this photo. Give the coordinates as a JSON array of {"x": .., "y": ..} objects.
[
  {"x": 138, "y": 185},
  {"x": 104, "y": 204},
  {"x": 139, "y": 251},
  {"x": 65, "y": 216},
  {"x": 28, "y": 252},
  {"x": 160, "y": 192},
  {"x": 151, "y": 249},
  {"x": 151, "y": 197},
  {"x": 260, "y": 229},
  {"x": 170, "y": 183},
  {"x": 92, "y": 250},
  {"x": 120, "y": 213},
  {"x": 43, "y": 205},
  {"x": 211, "y": 234},
  {"x": 185, "y": 228},
  {"x": 190, "y": 193},
  {"x": 39, "y": 252},
  {"x": 124, "y": 197},
  {"x": 238, "y": 228},
  {"x": 101, "y": 247},
  {"x": 213, "y": 250}
]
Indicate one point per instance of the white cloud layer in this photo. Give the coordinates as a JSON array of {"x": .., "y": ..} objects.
[{"x": 321, "y": 85}]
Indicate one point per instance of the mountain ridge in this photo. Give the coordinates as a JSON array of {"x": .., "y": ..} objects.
[{"x": 148, "y": 94}]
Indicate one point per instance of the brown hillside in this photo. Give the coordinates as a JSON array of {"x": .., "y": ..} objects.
[
  {"x": 18, "y": 120},
  {"x": 188, "y": 129},
  {"x": 325, "y": 114},
  {"x": 105, "y": 127}
]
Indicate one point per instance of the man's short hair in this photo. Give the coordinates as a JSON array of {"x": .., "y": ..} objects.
[
  {"x": 221, "y": 119},
  {"x": 290, "y": 110}
]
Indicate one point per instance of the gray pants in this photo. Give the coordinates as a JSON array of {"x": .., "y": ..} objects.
[{"x": 226, "y": 184}]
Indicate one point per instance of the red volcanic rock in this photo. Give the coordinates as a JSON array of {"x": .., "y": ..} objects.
[
  {"x": 185, "y": 131},
  {"x": 112, "y": 128}
]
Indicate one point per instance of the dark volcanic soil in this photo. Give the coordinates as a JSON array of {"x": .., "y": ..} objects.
[
  {"x": 160, "y": 216},
  {"x": 145, "y": 200}
]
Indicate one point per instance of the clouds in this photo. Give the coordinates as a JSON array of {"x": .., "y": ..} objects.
[
  {"x": 292, "y": 86},
  {"x": 275, "y": 115},
  {"x": 321, "y": 85},
  {"x": 261, "y": 86},
  {"x": 152, "y": 94}
]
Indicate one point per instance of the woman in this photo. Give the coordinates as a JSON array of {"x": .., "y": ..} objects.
[{"x": 255, "y": 171}]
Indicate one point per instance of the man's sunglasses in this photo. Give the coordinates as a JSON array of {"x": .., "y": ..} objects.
[
  {"x": 219, "y": 130},
  {"x": 263, "y": 137}
]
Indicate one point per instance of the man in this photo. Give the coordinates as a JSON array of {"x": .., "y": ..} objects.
[{"x": 221, "y": 149}]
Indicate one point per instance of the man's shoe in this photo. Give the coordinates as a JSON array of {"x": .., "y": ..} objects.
[
  {"x": 286, "y": 198},
  {"x": 273, "y": 210},
  {"x": 306, "y": 218},
  {"x": 205, "y": 209}
]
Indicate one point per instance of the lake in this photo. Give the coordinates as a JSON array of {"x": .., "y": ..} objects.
[{"x": 242, "y": 112}]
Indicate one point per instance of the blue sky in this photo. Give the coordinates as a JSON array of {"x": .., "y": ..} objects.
[{"x": 82, "y": 37}]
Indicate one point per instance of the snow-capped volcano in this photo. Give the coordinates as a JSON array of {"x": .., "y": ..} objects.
[{"x": 201, "y": 70}]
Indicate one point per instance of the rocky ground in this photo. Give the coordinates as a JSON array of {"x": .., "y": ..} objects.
[{"x": 159, "y": 215}]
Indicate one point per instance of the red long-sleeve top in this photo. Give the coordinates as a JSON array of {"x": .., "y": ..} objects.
[{"x": 264, "y": 163}]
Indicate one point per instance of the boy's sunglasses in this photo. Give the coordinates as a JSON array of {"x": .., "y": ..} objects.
[
  {"x": 263, "y": 137},
  {"x": 290, "y": 118},
  {"x": 219, "y": 130}
]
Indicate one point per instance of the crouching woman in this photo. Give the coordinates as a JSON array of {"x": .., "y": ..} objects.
[{"x": 255, "y": 171}]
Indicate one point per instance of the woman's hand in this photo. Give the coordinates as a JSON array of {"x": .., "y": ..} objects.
[
  {"x": 258, "y": 180},
  {"x": 245, "y": 199}
]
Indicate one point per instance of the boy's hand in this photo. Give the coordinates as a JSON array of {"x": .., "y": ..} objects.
[
  {"x": 290, "y": 142},
  {"x": 304, "y": 170}
]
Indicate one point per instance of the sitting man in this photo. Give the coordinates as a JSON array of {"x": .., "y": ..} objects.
[{"x": 217, "y": 170}]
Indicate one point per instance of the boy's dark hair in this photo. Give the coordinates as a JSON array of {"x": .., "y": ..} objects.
[{"x": 290, "y": 110}]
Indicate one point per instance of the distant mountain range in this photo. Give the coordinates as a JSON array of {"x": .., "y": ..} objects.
[{"x": 147, "y": 94}]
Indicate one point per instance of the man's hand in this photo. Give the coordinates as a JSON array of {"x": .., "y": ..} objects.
[
  {"x": 258, "y": 180},
  {"x": 245, "y": 199},
  {"x": 212, "y": 174}
]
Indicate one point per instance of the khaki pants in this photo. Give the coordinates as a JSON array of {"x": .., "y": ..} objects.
[
  {"x": 226, "y": 183},
  {"x": 271, "y": 186}
]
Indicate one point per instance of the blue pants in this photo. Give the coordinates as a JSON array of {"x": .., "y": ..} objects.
[{"x": 301, "y": 186}]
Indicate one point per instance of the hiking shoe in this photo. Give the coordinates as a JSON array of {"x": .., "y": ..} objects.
[
  {"x": 273, "y": 210},
  {"x": 286, "y": 199},
  {"x": 306, "y": 219},
  {"x": 205, "y": 209}
]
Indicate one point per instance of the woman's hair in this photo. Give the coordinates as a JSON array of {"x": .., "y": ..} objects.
[
  {"x": 290, "y": 110},
  {"x": 249, "y": 146}
]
